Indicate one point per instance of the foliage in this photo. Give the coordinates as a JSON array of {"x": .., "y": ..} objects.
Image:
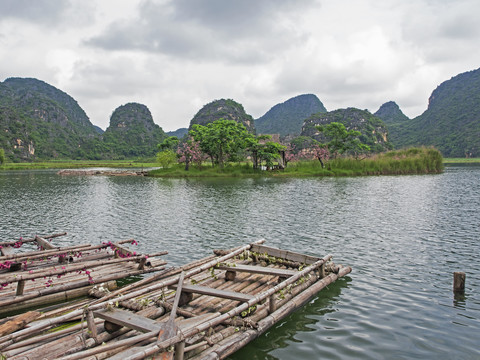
[
  {"x": 2, "y": 156},
  {"x": 452, "y": 121},
  {"x": 373, "y": 130},
  {"x": 390, "y": 113},
  {"x": 342, "y": 141},
  {"x": 409, "y": 161},
  {"x": 189, "y": 152},
  {"x": 169, "y": 143},
  {"x": 221, "y": 140},
  {"x": 223, "y": 109},
  {"x": 269, "y": 152},
  {"x": 287, "y": 118},
  {"x": 166, "y": 158}
]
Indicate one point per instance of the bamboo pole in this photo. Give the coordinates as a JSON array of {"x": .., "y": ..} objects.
[
  {"x": 244, "y": 338},
  {"x": 69, "y": 268},
  {"x": 6, "y": 340},
  {"x": 10, "y": 243},
  {"x": 58, "y": 251},
  {"x": 160, "y": 346}
]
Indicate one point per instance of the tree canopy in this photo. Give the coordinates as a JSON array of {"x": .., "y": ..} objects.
[{"x": 222, "y": 140}]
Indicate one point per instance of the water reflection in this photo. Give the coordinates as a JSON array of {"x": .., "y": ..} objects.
[{"x": 403, "y": 236}]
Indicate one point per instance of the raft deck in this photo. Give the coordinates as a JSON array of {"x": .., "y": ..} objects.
[
  {"x": 207, "y": 309},
  {"x": 51, "y": 273}
]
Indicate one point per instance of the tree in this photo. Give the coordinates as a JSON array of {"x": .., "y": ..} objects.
[
  {"x": 166, "y": 158},
  {"x": 189, "y": 152},
  {"x": 221, "y": 140},
  {"x": 342, "y": 140},
  {"x": 2, "y": 156},
  {"x": 168, "y": 144},
  {"x": 269, "y": 152}
]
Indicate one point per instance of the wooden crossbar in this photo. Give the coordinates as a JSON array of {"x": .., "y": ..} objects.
[
  {"x": 259, "y": 270},
  {"x": 285, "y": 254},
  {"x": 128, "y": 319},
  {"x": 225, "y": 294}
]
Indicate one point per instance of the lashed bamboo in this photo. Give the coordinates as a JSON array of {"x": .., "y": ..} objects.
[
  {"x": 7, "y": 340},
  {"x": 10, "y": 243},
  {"x": 236, "y": 342},
  {"x": 162, "y": 345},
  {"x": 70, "y": 268},
  {"x": 39, "y": 254}
]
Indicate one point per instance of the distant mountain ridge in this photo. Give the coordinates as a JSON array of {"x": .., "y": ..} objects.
[
  {"x": 287, "y": 118},
  {"x": 451, "y": 122}
]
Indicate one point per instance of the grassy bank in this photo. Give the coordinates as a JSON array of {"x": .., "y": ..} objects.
[
  {"x": 450, "y": 161},
  {"x": 410, "y": 161},
  {"x": 75, "y": 164}
]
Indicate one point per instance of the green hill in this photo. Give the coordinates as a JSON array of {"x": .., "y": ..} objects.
[
  {"x": 132, "y": 133},
  {"x": 390, "y": 113},
  {"x": 452, "y": 121},
  {"x": 38, "y": 120},
  {"x": 223, "y": 109},
  {"x": 373, "y": 129},
  {"x": 287, "y": 118}
]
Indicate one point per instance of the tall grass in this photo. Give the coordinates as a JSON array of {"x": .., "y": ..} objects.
[{"x": 408, "y": 161}]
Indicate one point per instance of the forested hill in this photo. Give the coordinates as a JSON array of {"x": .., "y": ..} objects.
[
  {"x": 390, "y": 113},
  {"x": 227, "y": 109},
  {"x": 373, "y": 129},
  {"x": 287, "y": 118},
  {"x": 452, "y": 121},
  {"x": 132, "y": 132},
  {"x": 39, "y": 120}
]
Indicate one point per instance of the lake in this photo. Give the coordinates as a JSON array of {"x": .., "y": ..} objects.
[{"x": 404, "y": 236}]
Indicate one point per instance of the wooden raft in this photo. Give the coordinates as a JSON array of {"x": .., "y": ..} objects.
[
  {"x": 207, "y": 309},
  {"x": 51, "y": 273}
]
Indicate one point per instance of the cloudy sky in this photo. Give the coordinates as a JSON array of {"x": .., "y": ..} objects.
[{"x": 177, "y": 55}]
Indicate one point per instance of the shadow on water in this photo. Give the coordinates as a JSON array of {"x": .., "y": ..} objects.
[{"x": 302, "y": 320}]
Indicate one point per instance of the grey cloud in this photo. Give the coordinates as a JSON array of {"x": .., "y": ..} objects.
[
  {"x": 39, "y": 11},
  {"x": 240, "y": 32}
]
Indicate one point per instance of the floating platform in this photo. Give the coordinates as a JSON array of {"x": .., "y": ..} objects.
[
  {"x": 52, "y": 274},
  {"x": 207, "y": 309}
]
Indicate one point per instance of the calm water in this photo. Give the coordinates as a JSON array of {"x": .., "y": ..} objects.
[{"x": 404, "y": 236}]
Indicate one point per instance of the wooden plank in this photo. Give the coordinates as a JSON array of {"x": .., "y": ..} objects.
[
  {"x": 6, "y": 250},
  {"x": 225, "y": 294},
  {"x": 259, "y": 270},
  {"x": 128, "y": 319},
  {"x": 45, "y": 244},
  {"x": 285, "y": 254}
]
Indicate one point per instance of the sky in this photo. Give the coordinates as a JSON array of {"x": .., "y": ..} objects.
[{"x": 175, "y": 56}]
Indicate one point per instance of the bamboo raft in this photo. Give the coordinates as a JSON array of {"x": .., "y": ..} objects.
[
  {"x": 207, "y": 309},
  {"x": 51, "y": 274}
]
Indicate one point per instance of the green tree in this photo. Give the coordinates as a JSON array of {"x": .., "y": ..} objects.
[
  {"x": 221, "y": 140},
  {"x": 271, "y": 151},
  {"x": 340, "y": 140},
  {"x": 2, "y": 156},
  {"x": 168, "y": 144},
  {"x": 166, "y": 158}
]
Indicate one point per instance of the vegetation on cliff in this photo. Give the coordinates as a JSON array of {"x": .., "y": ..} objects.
[
  {"x": 373, "y": 130},
  {"x": 452, "y": 121},
  {"x": 223, "y": 109}
]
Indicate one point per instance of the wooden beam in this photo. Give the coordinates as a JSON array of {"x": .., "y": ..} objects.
[
  {"x": 45, "y": 244},
  {"x": 128, "y": 319},
  {"x": 259, "y": 270},
  {"x": 285, "y": 254},
  {"x": 225, "y": 294}
]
